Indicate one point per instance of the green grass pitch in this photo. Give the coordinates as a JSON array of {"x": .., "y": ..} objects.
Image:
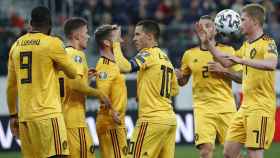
[{"x": 181, "y": 152}]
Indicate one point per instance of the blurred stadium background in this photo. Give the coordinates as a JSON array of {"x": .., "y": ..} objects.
[{"x": 177, "y": 18}]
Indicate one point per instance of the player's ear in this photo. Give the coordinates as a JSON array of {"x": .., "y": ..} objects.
[
  {"x": 150, "y": 36},
  {"x": 106, "y": 43},
  {"x": 75, "y": 35}
]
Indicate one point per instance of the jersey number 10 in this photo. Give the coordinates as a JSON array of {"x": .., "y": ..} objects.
[
  {"x": 167, "y": 74},
  {"x": 26, "y": 63}
]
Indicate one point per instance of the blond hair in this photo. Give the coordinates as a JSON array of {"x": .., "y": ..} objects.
[{"x": 255, "y": 11}]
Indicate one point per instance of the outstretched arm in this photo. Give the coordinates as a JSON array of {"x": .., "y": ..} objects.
[
  {"x": 266, "y": 64},
  {"x": 82, "y": 87}
]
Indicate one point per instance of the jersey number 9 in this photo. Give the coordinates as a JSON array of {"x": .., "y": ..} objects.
[{"x": 26, "y": 63}]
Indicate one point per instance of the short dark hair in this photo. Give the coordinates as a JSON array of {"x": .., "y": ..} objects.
[
  {"x": 41, "y": 17},
  {"x": 73, "y": 24},
  {"x": 150, "y": 26},
  {"x": 255, "y": 11},
  {"x": 102, "y": 33},
  {"x": 206, "y": 17}
]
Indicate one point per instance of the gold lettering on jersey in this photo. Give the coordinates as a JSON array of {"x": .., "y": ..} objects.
[{"x": 30, "y": 42}]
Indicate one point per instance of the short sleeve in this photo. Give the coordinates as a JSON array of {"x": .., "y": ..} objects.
[
  {"x": 143, "y": 60},
  {"x": 185, "y": 64},
  {"x": 270, "y": 51}
]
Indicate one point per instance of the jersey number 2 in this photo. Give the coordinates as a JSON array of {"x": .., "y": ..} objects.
[
  {"x": 167, "y": 74},
  {"x": 26, "y": 63}
]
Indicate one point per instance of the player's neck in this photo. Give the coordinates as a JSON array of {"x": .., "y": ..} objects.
[
  {"x": 152, "y": 44},
  {"x": 107, "y": 53},
  {"x": 41, "y": 30},
  {"x": 74, "y": 44},
  {"x": 203, "y": 47},
  {"x": 254, "y": 35}
]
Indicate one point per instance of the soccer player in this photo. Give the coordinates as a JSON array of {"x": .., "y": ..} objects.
[
  {"x": 214, "y": 105},
  {"x": 74, "y": 91},
  {"x": 253, "y": 125},
  {"x": 155, "y": 130},
  {"x": 34, "y": 62},
  {"x": 111, "y": 133}
]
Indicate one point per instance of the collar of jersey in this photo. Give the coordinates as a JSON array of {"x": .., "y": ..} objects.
[
  {"x": 256, "y": 39},
  {"x": 108, "y": 59},
  {"x": 145, "y": 49}
]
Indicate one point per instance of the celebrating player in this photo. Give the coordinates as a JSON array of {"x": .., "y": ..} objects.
[
  {"x": 34, "y": 62},
  {"x": 155, "y": 131},
  {"x": 110, "y": 123},
  {"x": 214, "y": 105},
  {"x": 253, "y": 125},
  {"x": 74, "y": 91}
]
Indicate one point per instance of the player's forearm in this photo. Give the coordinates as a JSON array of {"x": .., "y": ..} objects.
[
  {"x": 69, "y": 70},
  {"x": 235, "y": 76},
  {"x": 268, "y": 64},
  {"x": 220, "y": 56},
  {"x": 123, "y": 63},
  {"x": 81, "y": 87}
]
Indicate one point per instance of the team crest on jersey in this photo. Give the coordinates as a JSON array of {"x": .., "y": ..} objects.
[
  {"x": 78, "y": 59},
  {"x": 103, "y": 75},
  {"x": 64, "y": 145},
  {"x": 91, "y": 149}
]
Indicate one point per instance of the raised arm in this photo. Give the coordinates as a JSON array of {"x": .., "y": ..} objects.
[
  {"x": 124, "y": 65},
  {"x": 204, "y": 37}
]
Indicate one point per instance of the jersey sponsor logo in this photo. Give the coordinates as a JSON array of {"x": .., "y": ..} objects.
[
  {"x": 103, "y": 75},
  {"x": 78, "y": 59}
]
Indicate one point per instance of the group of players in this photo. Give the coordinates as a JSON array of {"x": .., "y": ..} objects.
[{"x": 51, "y": 82}]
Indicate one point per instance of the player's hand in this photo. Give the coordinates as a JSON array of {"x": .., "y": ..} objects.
[
  {"x": 92, "y": 73},
  {"x": 117, "y": 34},
  {"x": 14, "y": 125},
  {"x": 116, "y": 116},
  {"x": 104, "y": 99},
  {"x": 179, "y": 74},
  {"x": 216, "y": 67},
  {"x": 204, "y": 36},
  {"x": 234, "y": 59}
]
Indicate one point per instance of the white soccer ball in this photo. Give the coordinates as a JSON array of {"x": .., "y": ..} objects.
[{"x": 228, "y": 21}]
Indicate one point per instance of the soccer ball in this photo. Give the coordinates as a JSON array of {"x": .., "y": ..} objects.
[{"x": 228, "y": 21}]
